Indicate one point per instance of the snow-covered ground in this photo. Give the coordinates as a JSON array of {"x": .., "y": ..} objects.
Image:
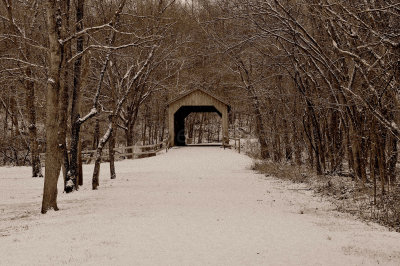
[{"x": 190, "y": 206}]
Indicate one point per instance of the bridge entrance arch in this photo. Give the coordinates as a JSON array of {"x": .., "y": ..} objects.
[{"x": 194, "y": 101}]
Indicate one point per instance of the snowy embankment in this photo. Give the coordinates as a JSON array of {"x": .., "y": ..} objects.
[{"x": 190, "y": 206}]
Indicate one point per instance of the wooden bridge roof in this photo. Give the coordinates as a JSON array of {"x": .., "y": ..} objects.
[{"x": 179, "y": 97}]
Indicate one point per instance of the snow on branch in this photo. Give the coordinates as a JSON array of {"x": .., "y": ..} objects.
[
  {"x": 92, "y": 113},
  {"x": 84, "y": 31},
  {"x": 110, "y": 48}
]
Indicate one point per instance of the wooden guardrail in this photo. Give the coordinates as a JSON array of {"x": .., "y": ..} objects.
[
  {"x": 226, "y": 143},
  {"x": 237, "y": 143},
  {"x": 125, "y": 152}
]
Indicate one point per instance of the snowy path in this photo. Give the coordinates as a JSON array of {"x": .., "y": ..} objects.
[{"x": 191, "y": 206}]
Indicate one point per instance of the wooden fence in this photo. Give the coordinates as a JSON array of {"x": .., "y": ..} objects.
[
  {"x": 237, "y": 143},
  {"x": 236, "y": 146},
  {"x": 135, "y": 152},
  {"x": 120, "y": 153}
]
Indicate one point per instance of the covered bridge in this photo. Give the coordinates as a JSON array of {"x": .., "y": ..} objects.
[{"x": 199, "y": 101}]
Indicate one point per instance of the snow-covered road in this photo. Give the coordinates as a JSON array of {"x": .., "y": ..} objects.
[{"x": 190, "y": 206}]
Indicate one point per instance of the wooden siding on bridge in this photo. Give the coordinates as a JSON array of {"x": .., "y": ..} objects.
[{"x": 197, "y": 98}]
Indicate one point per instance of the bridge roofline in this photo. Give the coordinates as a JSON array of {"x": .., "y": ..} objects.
[{"x": 179, "y": 97}]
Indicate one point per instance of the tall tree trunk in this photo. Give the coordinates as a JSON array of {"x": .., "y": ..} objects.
[
  {"x": 316, "y": 136},
  {"x": 144, "y": 126},
  {"x": 373, "y": 159},
  {"x": 163, "y": 121},
  {"x": 76, "y": 98},
  {"x": 355, "y": 148},
  {"x": 296, "y": 143},
  {"x": 307, "y": 130},
  {"x": 31, "y": 114},
  {"x": 382, "y": 158},
  {"x": 53, "y": 154},
  {"x": 349, "y": 149},
  {"x": 64, "y": 92},
  {"x": 129, "y": 139},
  {"x": 80, "y": 176},
  {"x": 130, "y": 125},
  {"x": 286, "y": 140},
  {"x": 96, "y": 134},
  {"x": 260, "y": 129},
  {"x": 111, "y": 152},
  {"x": 392, "y": 161},
  {"x": 111, "y": 144},
  {"x": 276, "y": 139},
  {"x": 15, "y": 132},
  {"x": 62, "y": 120},
  {"x": 103, "y": 141}
]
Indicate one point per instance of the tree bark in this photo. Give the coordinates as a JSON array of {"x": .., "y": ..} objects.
[
  {"x": 286, "y": 139},
  {"x": 113, "y": 133},
  {"x": 76, "y": 98},
  {"x": 260, "y": 129},
  {"x": 64, "y": 92},
  {"x": 99, "y": 152},
  {"x": 96, "y": 134},
  {"x": 373, "y": 160},
  {"x": 31, "y": 114},
  {"x": 80, "y": 175},
  {"x": 111, "y": 153},
  {"x": 53, "y": 151},
  {"x": 133, "y": 112}
]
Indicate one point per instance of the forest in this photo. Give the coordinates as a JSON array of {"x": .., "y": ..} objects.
[{"x": 315, "y": 83}]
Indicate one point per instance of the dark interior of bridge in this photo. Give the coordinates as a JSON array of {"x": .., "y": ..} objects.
[{"x": 179, "y": 120}]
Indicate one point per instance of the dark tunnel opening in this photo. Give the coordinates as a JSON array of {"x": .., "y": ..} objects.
[{"x": 179, "y": 120}]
